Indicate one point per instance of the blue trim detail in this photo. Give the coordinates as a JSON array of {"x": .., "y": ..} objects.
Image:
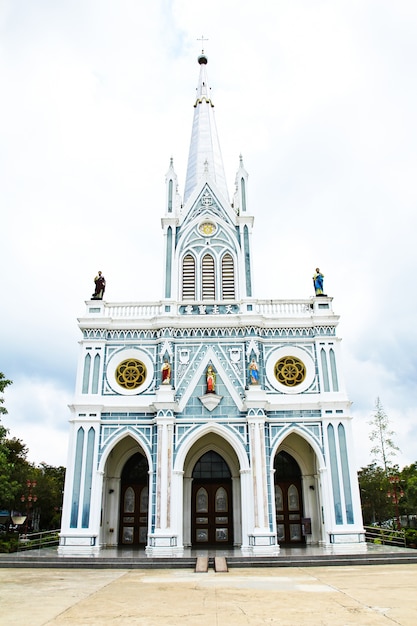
[
  {"x": 168, "y": 267},
  {"x": 345, "y": 474},
  {"x": 170, "y": 196},
  {"x": 243, "y": 188},
  {"x": 88, "y": 478},
  {"x": 96, "y": 370},
  {"x": 333, "y": 370},
  {"x": 247, "y": 262},
  {"x": 77, "y": 478},
  {"x": 323, "y": 357},
  {"x": 86, "y": 375},
  {"x": 335, "y": 475}
]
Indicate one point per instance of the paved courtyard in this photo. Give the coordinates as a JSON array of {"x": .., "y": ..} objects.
[{"x": 295, "y": 596}]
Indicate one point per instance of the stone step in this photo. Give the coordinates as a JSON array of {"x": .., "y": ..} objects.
[{"x": 21, "y": 560}]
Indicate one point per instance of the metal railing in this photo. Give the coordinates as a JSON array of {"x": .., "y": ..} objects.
[
  {"x": 385, "y": 536},
  {"x": 32, "y": 541}
]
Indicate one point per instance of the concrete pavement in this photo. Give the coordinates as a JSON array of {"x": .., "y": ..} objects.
[{"x": 293, "y": 596}]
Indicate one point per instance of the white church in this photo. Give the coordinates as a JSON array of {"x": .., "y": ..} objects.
[{"x": 210, "y": 419}]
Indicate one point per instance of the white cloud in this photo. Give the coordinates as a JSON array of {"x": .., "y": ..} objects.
[
  {"x": 38, "y": 415},
  {"x": 320, "y": 99}
]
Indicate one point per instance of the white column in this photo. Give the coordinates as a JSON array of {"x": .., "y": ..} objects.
[
  {"x": 262, "y": 538},
  {"x": 164, "y": 540}
]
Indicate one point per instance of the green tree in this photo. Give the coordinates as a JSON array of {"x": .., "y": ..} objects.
[
  {"x": 384, "y": 448},
  {"x": 408, "y": 482},
  {"x": 4, "y": 382},
  {"x": 49, "y": 489},
  {"x": 14, "y": 470},
  {"x": 8, "y": 487},
  {"x": 8, "y": 484},
  {"x": 374, "y": 484}
]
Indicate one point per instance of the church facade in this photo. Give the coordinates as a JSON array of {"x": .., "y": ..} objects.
[{"x": 209, "y": 419}]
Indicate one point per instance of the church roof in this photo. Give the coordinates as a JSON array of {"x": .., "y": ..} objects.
[{"x": 205, "y": 154}]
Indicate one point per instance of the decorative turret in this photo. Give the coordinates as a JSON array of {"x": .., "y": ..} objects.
[
  {"x": 173, "y": 198},
  {"x": 241, "y": 180}
]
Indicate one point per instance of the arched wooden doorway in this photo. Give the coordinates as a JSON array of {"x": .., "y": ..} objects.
[
  {"x": 134, "y": 499},
  {"x": 211, "y": 502},
  {"x": 288, "y": 499}
]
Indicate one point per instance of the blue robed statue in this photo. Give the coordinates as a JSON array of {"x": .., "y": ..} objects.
[
  {"x": 318, "y": 279},
  {"x": 253, "y": 372}
]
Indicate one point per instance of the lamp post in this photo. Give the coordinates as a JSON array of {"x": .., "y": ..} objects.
[
  {"x": 395, "y": 495},
  {"x": 29, "y": 497}
]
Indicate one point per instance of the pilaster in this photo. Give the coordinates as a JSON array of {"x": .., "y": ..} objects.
[
  {"x": 262, "y": 540},
  {"x": 163, "y": 541}
]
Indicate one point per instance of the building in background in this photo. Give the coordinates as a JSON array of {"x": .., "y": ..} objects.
[{"x": 210, "y": 418}]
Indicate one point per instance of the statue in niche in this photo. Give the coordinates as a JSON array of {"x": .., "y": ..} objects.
[
  {"x": 253, "y": 372},
  {"x": 318, "y": 280},
  {"x": 100, "y": 283},
  {"x": 211, "y": 380},
  {"x": 166, "y": 372}
]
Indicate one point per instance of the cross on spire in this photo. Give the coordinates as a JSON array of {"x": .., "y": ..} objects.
[{"x": 202, "y": 39}]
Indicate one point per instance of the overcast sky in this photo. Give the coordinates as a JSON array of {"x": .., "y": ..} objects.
[{"x": 320, "y": 98}]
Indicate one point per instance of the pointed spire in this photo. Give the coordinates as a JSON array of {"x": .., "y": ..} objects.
[{"x": 204, "y": 155}]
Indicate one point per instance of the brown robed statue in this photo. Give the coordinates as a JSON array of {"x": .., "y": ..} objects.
[{"x": 100, "y": 283}]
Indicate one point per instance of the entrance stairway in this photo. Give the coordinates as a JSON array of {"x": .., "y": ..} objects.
[{"x": 49, "y": 558}]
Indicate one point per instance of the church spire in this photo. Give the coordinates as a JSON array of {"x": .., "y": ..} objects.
[{"x": 204, "y": 155}]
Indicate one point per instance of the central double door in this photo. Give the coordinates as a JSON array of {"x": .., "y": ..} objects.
[
  {"x": 211, "y": 502},
  {"x": 212, "y": 523}
]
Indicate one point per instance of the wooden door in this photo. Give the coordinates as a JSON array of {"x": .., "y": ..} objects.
[
  {"x": 212, "y": 522},
  {"x": 211, "y": 502},
  {"x": 134, "y": 501},
  {"x": 134, "y": 514},
  {"x": 288, "y": 508},
  {"x": 288, "y": 499}
]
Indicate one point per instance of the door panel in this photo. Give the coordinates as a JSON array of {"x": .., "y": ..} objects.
[
  {"x": 288, "y": 499},
  {"x": 212, "y": 521},
  {"x": 134, "y": 514},
  {"x": 134, "y": 502},
  {"x": 288, "y": 509}
]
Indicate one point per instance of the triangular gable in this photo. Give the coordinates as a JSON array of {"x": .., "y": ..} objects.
[
  {"x": 220, "y": 207},
  {"x": 210, "y": 357}
]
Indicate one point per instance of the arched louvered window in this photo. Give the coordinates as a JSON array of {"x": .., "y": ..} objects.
[
  {"x": 188, "y": 278},
  {"x": 228, "y": 277},
  {"x": 208, "y": 284}
]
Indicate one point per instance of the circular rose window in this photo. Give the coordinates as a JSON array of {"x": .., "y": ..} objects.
[
  {"x": 290, "y": 371},
  {"x": 130, "y": 374},
  {"x": 207, "y": 228}
]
